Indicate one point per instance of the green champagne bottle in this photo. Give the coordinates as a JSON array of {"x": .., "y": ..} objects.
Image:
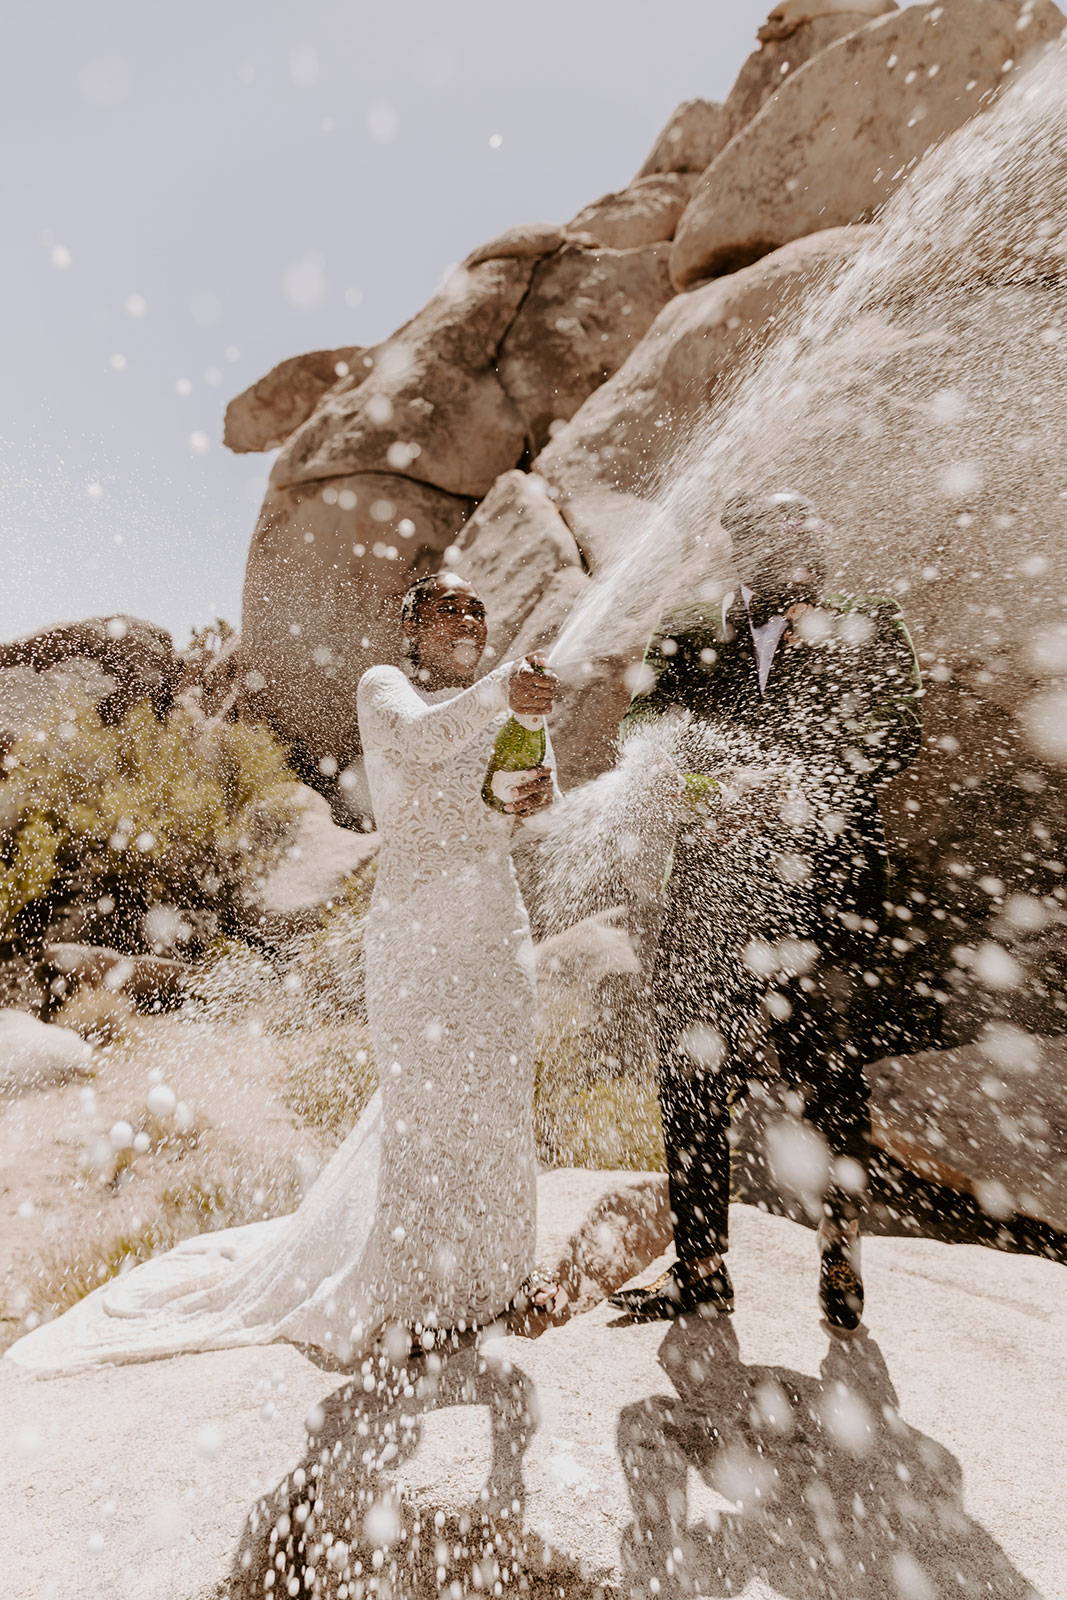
[{"x": 520, "y": 746}]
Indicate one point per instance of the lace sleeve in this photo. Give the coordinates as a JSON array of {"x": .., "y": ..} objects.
[{"x": 391, "y": 709}]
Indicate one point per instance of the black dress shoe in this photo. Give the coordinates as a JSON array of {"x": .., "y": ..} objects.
[
  {"x": 840, "y": 1284},
  {"x": 678, "y": 1292}
]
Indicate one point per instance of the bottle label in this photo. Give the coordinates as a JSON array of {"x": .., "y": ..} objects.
[{"x": 531, "y": 724}]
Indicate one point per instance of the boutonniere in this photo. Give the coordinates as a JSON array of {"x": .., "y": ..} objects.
[{"x": 808, "y": 624}]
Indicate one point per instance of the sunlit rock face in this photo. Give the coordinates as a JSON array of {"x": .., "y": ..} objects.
[
  {"x": 374, "y": 486},
  {"x": 625, "y": 438},
  {"x": 840, "y": 133},
  {"x": 645, "y": 213},
  {"x": 906, "y": 374},
  {"x": 791, "y": 36}
]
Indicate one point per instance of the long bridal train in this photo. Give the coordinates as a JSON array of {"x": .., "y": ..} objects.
[{"x": 426, "y": 1213}]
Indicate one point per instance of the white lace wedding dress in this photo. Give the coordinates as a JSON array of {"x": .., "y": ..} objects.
[{"x": 426, "y": 1213}]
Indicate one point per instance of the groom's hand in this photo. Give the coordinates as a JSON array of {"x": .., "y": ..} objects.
[
  {"x": 534, "y": 795},
  {"x": 532, "y": 688}
]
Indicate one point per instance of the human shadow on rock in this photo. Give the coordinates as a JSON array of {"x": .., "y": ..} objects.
[
  {"x": 336, "y": 1526},
  {"x": 835, "y": 1496}
]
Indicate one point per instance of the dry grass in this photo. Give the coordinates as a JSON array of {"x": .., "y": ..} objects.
[
  {"x": 330, "y": 1077},
  {"x": 197, "y": 1206},
  {"x": 590, "y": 1117}
]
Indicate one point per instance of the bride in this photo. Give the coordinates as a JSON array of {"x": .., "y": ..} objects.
[{"x": 423, "y": 1220}]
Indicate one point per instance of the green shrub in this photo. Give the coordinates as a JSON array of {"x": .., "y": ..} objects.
[{"x": 183, "y": 813}]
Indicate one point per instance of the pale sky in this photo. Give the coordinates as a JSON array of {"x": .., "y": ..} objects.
[{"x": 193, "y": 192}]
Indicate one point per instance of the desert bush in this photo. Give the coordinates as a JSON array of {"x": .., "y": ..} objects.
[{"x": 142, "y": 816}]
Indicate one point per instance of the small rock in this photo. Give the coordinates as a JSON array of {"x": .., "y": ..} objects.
[
  {"x": 645, "y": 213},
  {"x": 523, "y": 243},
  {"x": 987, "y": 1119},
  {"x": 144, "y": 978},
  {"x": 790, "y": 15},
  {"x": 34, "y": 1055}
]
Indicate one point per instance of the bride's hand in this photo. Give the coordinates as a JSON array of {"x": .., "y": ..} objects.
[
  {"x": 532, "y": 796},
  {"x": 532, "y": 688}
]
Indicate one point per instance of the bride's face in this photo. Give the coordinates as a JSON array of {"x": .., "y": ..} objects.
[{"x": 450, "y": 636}]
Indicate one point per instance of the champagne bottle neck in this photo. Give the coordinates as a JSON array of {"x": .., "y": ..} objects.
[{"x": 531, "y": 724}]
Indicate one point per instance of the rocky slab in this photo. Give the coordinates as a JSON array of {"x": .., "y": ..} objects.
[
  {"x": 35, "y": 1055},
  {"x": 645, "y": 213},
  {"x": 988, "y": 1119},
  {"x": 839, "y": 135},
  {"x": 791, "y": 36},
  {"x": 313, "y": 871},
  {"x": 748, "y": 1455},
  {"x": 511, "y": 550},
  {"x": 585, "y": 311}
]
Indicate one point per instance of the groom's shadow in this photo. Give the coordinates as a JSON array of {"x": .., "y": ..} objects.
[
  {"x": 334, "y": 1523},
  {"x": 816, "y": 1486}
]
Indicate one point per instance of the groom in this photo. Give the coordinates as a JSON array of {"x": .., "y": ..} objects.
[{"x": 827, "y": 685}]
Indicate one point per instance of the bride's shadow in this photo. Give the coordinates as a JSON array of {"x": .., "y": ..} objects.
[
  {"x": 818, "y": 1487},
  {"x": 333, "y": 1524}
]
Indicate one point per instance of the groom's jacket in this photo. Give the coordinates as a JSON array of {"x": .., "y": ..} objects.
[{"x": 841, "y": 699}]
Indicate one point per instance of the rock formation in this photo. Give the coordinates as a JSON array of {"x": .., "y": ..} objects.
[
  {"x": 518, "y": 352},
  {"x": 381, "y": 477},
  {"x": 35, "y": 1055},
  {"x": 792, "y": 35},
  {"x": 838, "y": 136},
  {"x": 525, "y": 424}
]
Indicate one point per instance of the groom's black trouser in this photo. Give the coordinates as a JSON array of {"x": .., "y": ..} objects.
[{"x": 720, "y": 1023}]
